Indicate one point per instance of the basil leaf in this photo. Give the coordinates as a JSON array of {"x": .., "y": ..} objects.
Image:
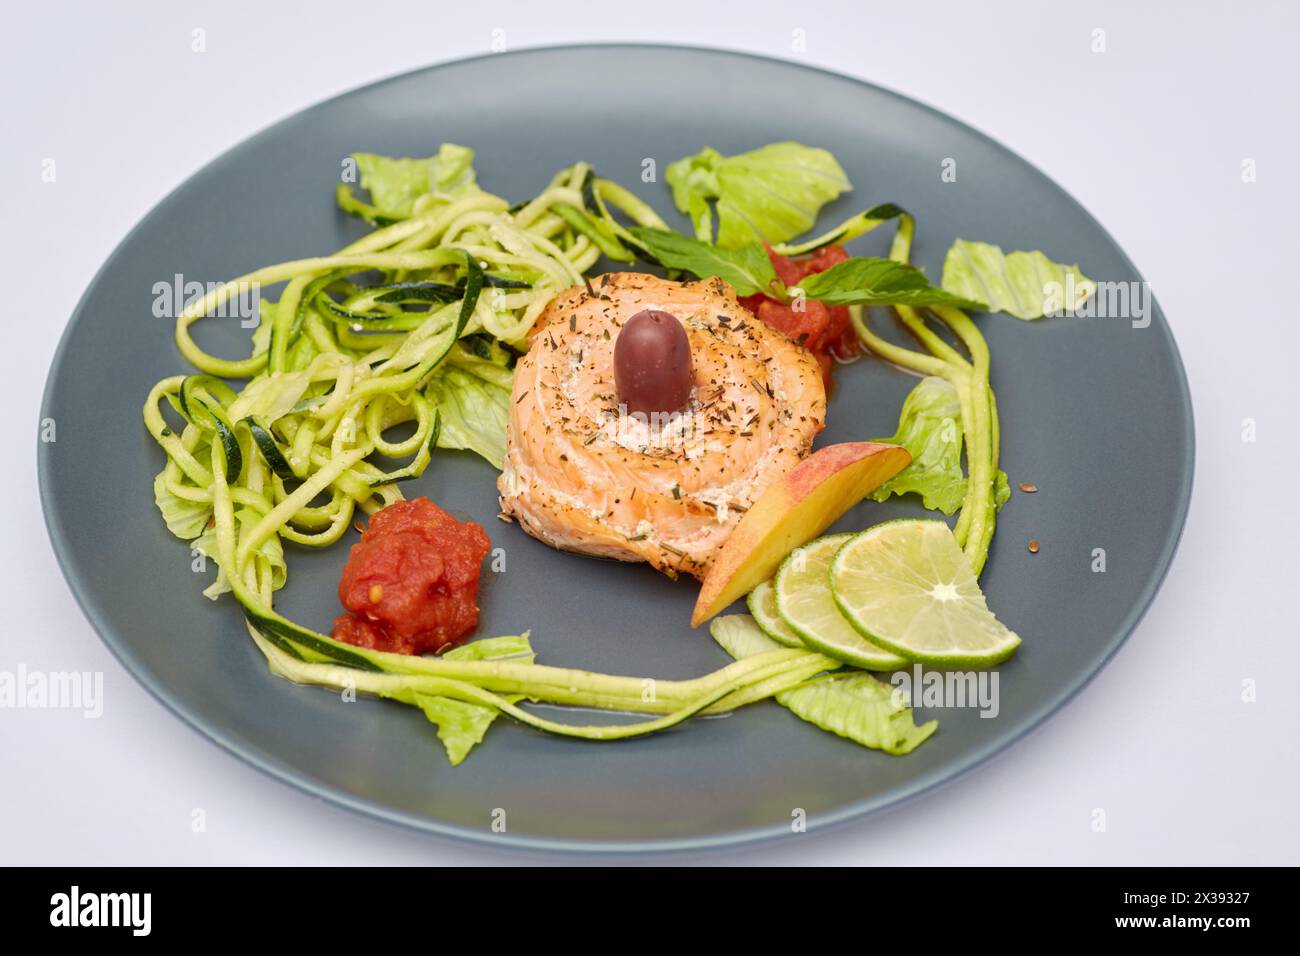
[
  {"x": 879, "y": 282},
  {"x": 747, "y": 268},
  {"x": 1027, "y": 285}
]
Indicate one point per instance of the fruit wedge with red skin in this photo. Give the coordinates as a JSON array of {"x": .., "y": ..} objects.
[{"x": 791, "y": 512}]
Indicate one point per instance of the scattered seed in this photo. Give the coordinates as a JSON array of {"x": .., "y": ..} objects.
[
  {"x": 1028, "y": 487},
  {"x": 1033, "y": 545}
]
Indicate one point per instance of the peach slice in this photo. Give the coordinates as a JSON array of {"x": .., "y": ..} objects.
[{"x": 792, "y": 512}]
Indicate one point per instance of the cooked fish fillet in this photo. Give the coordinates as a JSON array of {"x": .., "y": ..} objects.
[{"x": 582, "y": 475}]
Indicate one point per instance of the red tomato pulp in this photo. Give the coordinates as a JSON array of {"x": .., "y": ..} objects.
[
  {"x": 410, "y": 584},
  {"x": 824, "y": 330}
]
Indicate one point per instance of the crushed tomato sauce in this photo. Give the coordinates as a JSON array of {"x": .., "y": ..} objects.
[
  {"x": 824, "y": 330},
  {"x": 411, "y": 583}
]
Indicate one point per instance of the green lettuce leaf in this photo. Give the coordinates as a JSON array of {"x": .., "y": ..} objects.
[
  {"x": 879, "y": 282},
  {"x": 462, "y": 724},
  {"x": 395, "y": 184},
  {"x": 857, "y": 706},
  {"x": 473, "y": 411},
  {"x": 746, "y": 267},
  {"x": 495, "y": 649},
  {"x": 451, "y": 172},
  {"x": 930, "y": 428},
  {"x": 186, "y": 519},
  {"x": 852, "y": 704},
  {"x": 740, "y": 636},
  {"x": 770, "y": 194},
  {"x": 1027, "y": 285}
]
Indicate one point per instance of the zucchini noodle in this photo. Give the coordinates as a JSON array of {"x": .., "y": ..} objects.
[
  {"x": 353, "y": 348},
  {"x": 970, "y": 376}
]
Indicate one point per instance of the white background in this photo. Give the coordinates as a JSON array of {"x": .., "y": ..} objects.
[{"x": 1150, "y": 135}]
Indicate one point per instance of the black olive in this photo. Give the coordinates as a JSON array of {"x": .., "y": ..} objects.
[{"x": 652, "y": 363}]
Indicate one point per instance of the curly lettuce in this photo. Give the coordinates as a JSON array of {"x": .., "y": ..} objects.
[
  {"x": 930, "y": 428},
  {"x": 770, "y": 194},
  {"x": 471, "y": 392},
  {"x": 461, "y": 723},
  {"x": 850, "y": 703},
  {"x": 185, "y": 518},
  {"x": 395, "y": 184},
  {"x": 1027, "y": 285}
]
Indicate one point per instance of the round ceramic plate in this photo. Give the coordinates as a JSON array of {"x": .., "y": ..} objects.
[{"x": 1095, "y": 412}]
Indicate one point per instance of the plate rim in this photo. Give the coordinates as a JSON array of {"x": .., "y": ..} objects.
[{"x": 838, "y": 818}]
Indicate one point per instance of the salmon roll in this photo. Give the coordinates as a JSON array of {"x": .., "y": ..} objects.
[{"x": 584, "y": 474}]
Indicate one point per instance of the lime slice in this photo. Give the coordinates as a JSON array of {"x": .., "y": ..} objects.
[
  {"x": 908, "y": 587},
  {"x": 762, "y": 605},
  {"x": 804, "y": 602}
]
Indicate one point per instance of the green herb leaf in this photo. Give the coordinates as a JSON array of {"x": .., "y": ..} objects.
[
  {"x": 852, "y": 703},
  {"x": 747, "y": 268},
  {"x": 1027, "y": 285},
  {"x": 878, "y": 282},
  {"x": 770, "y": 194}
]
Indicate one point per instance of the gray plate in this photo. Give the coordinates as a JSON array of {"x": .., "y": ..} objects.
[{"x": 1094, "y": 411}]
